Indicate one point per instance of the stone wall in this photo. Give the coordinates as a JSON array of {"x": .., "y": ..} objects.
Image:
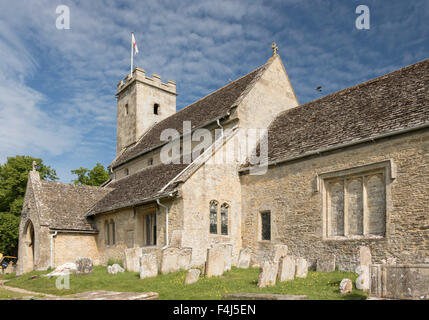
[
  {"x": 290, "y": 192},
  {"x": 129, "y": 229},
  {"x": 70, "y": 246}
]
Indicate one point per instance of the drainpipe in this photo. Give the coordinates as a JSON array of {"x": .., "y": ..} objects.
[
  {"x": 218, "y": 123},
  {"x": 166, "y": 222},
  {"x": 51, "y": 260}
]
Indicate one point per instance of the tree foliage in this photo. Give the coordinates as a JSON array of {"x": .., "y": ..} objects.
[
  {"x": 9, "y": 224},
  {"x": 13, "y": 182},
  {"x": 94, "y": 177}
]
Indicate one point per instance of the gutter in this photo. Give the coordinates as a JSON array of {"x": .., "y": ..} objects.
[
  {"x": 138, "y": 203},
  {"x": 343, "y": 145}
]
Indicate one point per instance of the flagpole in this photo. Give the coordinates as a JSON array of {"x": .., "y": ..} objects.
[{"x": 132, "y": 54}]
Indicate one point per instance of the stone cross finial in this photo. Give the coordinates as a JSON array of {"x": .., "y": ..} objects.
[
  {"x": 34, "y": 165},
  {"x": 275, "y": 48}
]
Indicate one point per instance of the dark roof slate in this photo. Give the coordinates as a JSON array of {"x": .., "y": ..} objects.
[
  {"x": 66, "y": 204},
  {"x": 215, "y": 105},
  {"x": 138, "y": 187},
  {"x": 395, "y": 101}
]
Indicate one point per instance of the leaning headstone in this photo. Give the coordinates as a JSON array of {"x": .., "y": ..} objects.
[
  {"x": 132, "y": 259},
  {"x": 184, "y": 258},
  {"x": 301, "y": 269},
  {"x": 268, "y": 274},
  {"x": 286, "y": 269},
  {"x": 62, "y": 270},
  {"x": 346, "y": 286},
  {"x": 148, "y": 266},
  {"x": 244, "y": 258},
  {"x": 84, "y": 266},
  {"x": 176, "y": 238},
  {"x": 279, "y": 251},
  {"x": 326, "y": 263},
  {"x": 215, "y": 264},
  {"x": 114, "y": 269},
  {"x": 170, "y": 260},
  {"x": 192, "y": 276}
]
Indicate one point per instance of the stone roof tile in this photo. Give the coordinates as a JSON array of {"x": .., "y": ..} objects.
[
  {"x": 395, "y": 101},
  {"x": 138, "y": 187}
]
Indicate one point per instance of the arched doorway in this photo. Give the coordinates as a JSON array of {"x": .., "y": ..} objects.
[{"x": 28, "y": 261}]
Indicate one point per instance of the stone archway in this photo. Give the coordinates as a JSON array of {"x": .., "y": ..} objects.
[{"x": 28, "y": 236}]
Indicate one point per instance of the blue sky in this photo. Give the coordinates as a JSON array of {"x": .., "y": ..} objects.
[{"x": 57, "y": 86}]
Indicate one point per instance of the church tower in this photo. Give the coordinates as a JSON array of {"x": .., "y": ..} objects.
[{"x": 142, "y": 101}]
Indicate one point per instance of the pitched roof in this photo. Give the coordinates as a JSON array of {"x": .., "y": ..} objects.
[
  {"x": 138, "y": 187},
  {"x": 214, "y": 106},
  {"x": 395, "y": 101},
  {"x": 65, "y": 204}
]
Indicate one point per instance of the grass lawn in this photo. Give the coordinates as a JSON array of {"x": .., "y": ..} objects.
[
  {"x": 6, "y": 294},
  {"x": 317, "y": 285}
]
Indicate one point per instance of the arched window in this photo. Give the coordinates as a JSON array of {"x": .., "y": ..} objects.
[
  {"x": 156, "y": 108},
  {"x": 113, "y": 232},
  {"x": 106, "y": 233},
  {"x": 213, "y": 217},
  {"x": 224, "y": 219}
]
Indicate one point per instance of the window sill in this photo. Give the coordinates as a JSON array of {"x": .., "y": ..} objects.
[
  {"x": 354, "y": 237},
  {"x": 224, "y": 236}
]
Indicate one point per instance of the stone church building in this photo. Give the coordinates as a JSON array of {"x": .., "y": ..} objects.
[{"x": 345, "y": 170}]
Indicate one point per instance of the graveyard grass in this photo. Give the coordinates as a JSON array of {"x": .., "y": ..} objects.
[{"x": 317, "y": 285}]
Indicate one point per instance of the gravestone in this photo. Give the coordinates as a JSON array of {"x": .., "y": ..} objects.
[
  {"x": 132, "y": 259},
  {"x": 148, "y": 266},
  {"x": 215, "y": 264},
  {"x": 184, "y": 258},
  {"x": 114, "y": 269},
  {"x": 279, "y": 251},
  {"x": 346, "y": 286},
  {"x": 228, "y": 255},
  {"x": 244, "y": 258},
  {"x": 301, "y": 269},
  {"x": 286, "y": 268},
  {"x": 268, "y": 274},
  {"x": 363, "y": 281},
  {"x": 326, "y": 263},
  {"x": 192, "y": 276},
  {"x": 83, "y": 266},
  {"x": 170, "y": 260},
  {"x": 365, "y": 256}
]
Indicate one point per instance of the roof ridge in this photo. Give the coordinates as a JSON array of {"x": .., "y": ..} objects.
[
  {"x": 83, "y": 186},
  {"x": 355, "y": 87}
]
